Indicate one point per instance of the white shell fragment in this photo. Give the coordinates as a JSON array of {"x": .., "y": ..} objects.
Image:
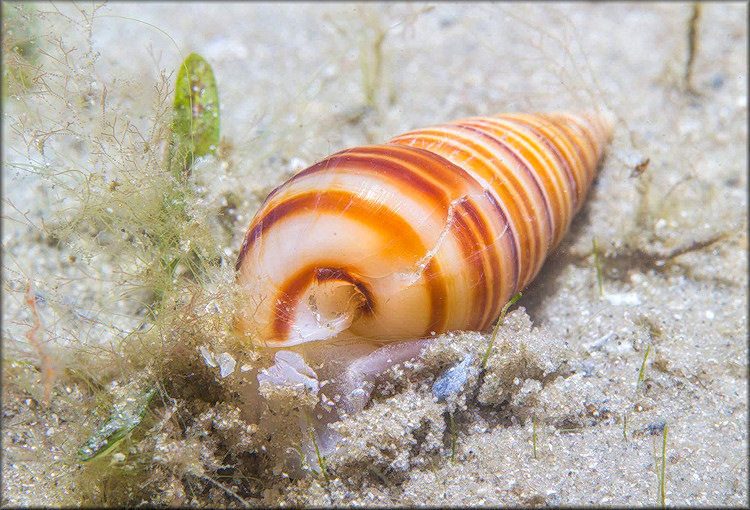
[
  {"x": 452, "y": 380},
  {"x": 224, "y": 361},
  {"x": 289, "y": 369},
  {"x": 208, "y": 356},
  {"x": 226, "y": 364}
]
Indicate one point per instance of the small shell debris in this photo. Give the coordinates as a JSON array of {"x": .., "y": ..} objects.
[
  {"x": 224, "y": 361},
  {"x": 452, "y": 380},
  {"x": 226, "y": 364},
  {"x": 208, "y": 356},
  {"x": 289, "y": 369}
]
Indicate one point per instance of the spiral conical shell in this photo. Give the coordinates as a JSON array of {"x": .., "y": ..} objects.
[{"x": 432, "y": 231}]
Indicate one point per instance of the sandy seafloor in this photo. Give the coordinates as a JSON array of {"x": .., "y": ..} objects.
[{"x": 292, "y": 81}]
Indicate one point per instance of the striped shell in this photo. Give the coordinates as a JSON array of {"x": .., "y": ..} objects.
[{"x": 432, "y": 231}]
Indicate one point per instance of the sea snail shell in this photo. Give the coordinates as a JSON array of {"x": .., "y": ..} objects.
[{"x": 432, "y": 231}]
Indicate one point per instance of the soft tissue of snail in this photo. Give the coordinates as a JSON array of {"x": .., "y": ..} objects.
[{"x": 432, "y": 231}]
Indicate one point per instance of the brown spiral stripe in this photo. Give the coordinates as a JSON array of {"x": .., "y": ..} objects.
[{"x": 432, "y": 231}]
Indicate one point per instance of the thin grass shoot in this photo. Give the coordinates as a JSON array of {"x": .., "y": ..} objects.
[
  {"x": 453, "y": 438},
  {"x": 321, "y": 459},
  {"x": 643, "y": 368},
  {"x": 661, "y": 470},
  {"x": 533, "y": 433},
  {"x": 598, "y": 267},
  {"x": 503, "y": 313}
]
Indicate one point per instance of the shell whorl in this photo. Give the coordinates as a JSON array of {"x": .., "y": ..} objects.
[{"x": 432, "y": 231}]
